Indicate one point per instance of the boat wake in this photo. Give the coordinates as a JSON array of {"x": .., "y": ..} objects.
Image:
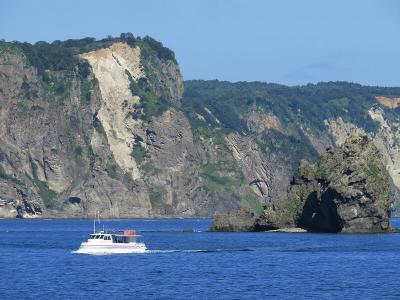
[
  {"x": 169, "y": 251},
  {"x": 196, "y": 251}
]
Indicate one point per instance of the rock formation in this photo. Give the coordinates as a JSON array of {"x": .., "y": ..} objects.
[
  {"x": 235, "y": 221},
  {"x": 106, "y": 125},
  {"x": 92, "y": 125},
  {"x": 347, "y": 190}
]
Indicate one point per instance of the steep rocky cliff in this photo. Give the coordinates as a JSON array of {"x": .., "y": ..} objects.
[
  {"x": 95, "y": 125},
  {"x": 105, "y": 125}
]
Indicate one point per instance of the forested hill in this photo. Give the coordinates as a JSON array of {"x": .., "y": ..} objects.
[{"x": 310, "y": 104}]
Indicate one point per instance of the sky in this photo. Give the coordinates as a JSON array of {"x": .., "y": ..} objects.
[{"x": 291, "y": 42}]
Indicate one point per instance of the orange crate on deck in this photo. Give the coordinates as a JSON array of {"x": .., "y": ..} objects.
[{"x": 129, "y": 232}]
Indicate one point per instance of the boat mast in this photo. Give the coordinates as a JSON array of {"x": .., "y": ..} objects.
[
  {"x": 96, "y": 215},
  {"x": 94, "y": 224}
]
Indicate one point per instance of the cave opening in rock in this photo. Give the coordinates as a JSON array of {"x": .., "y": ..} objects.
[
  {"x": 74, "y": 200},
  {"x": 320, "y": 212}
]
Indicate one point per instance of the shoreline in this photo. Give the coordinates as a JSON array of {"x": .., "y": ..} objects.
[{"x": 107, "y": 219}]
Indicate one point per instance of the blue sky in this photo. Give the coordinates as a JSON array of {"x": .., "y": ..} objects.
[{"x": 289, "y": 42}]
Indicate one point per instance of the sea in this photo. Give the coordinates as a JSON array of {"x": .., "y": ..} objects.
[{"x": 185, "y": 261}]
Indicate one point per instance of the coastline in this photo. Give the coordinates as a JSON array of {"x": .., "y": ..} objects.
[{"x": 110, "y": 219}]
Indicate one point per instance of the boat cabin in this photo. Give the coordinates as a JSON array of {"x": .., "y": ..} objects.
[{"x": 129, "y": 236}]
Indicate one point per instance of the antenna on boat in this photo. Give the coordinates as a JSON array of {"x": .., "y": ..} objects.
[
  {"x": 94, "y": 224},
  {"x": 96, "y": 215}
]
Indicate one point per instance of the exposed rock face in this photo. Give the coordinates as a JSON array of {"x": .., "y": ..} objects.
[
  {"x": 34, "y": 163},
  {"x": 354, "y": 192},
  {"x": 389, "y": 102},
  {"x": 341, "y": 130},
  {"x": 258, "y": 121},
  {"x": 111, "y": 67},
  {"x": 84, "y": 123},
  {"x": 257, "y": 167},
  {"x": 171, "y": 172},
  {"x": 90, "y": 125},
  {"x": 385, "y": 138},
  {"x": 106, "y": 133},
  {"x": 238, "y": 220},
  {"x": 168, "y": 79},
  {"x": 348, "y": 190}
]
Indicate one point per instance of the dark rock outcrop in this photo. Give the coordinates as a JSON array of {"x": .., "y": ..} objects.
[
  {"x": 238, "y": 220},
  {"x": 348, "y": 190}
]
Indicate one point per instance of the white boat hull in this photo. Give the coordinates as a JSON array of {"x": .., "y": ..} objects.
[{"x": 88, "y": 248}]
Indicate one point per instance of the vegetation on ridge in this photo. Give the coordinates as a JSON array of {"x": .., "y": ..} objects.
[
  {"x": 310, "y": 104},
  {"x": 62, "y": 55}
]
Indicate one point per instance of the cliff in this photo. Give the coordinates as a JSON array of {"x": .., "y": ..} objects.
[
  {"x": 92, "y": 125},
  {"x": 106, "y": 125}
]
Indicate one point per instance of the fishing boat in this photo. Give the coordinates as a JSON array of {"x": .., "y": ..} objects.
[{"x": 115, "y": 242}]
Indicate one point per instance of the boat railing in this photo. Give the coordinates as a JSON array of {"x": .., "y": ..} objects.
[{"x": 128, "y": 233}]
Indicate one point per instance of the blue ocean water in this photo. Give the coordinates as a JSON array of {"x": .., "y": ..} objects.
[{"x": 36, "y": 262}]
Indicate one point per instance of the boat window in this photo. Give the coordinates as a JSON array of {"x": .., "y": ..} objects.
[
  {"x": 119, "y": 239},
  {"x": 106, "y": 237},
  {"x": 101, "y": 237},
  {"x": 97, "y": 236}
]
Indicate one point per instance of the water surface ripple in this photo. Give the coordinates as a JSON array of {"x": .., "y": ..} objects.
[{"x": 36, "y": 262}]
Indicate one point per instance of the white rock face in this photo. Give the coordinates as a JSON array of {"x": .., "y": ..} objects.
[
  {"x": 377, "y": 115},
  {"x": 110, "y": 67},
  {"x": 7, "y": 210},
  {"x": 341, "y": 130},
  {"x": 386, "y": 139}
]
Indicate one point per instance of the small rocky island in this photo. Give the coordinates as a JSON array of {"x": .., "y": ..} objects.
[{"x": 347, "y": 190}]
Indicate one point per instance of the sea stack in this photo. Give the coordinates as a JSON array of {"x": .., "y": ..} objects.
[{"x": 348, "y": 190}]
